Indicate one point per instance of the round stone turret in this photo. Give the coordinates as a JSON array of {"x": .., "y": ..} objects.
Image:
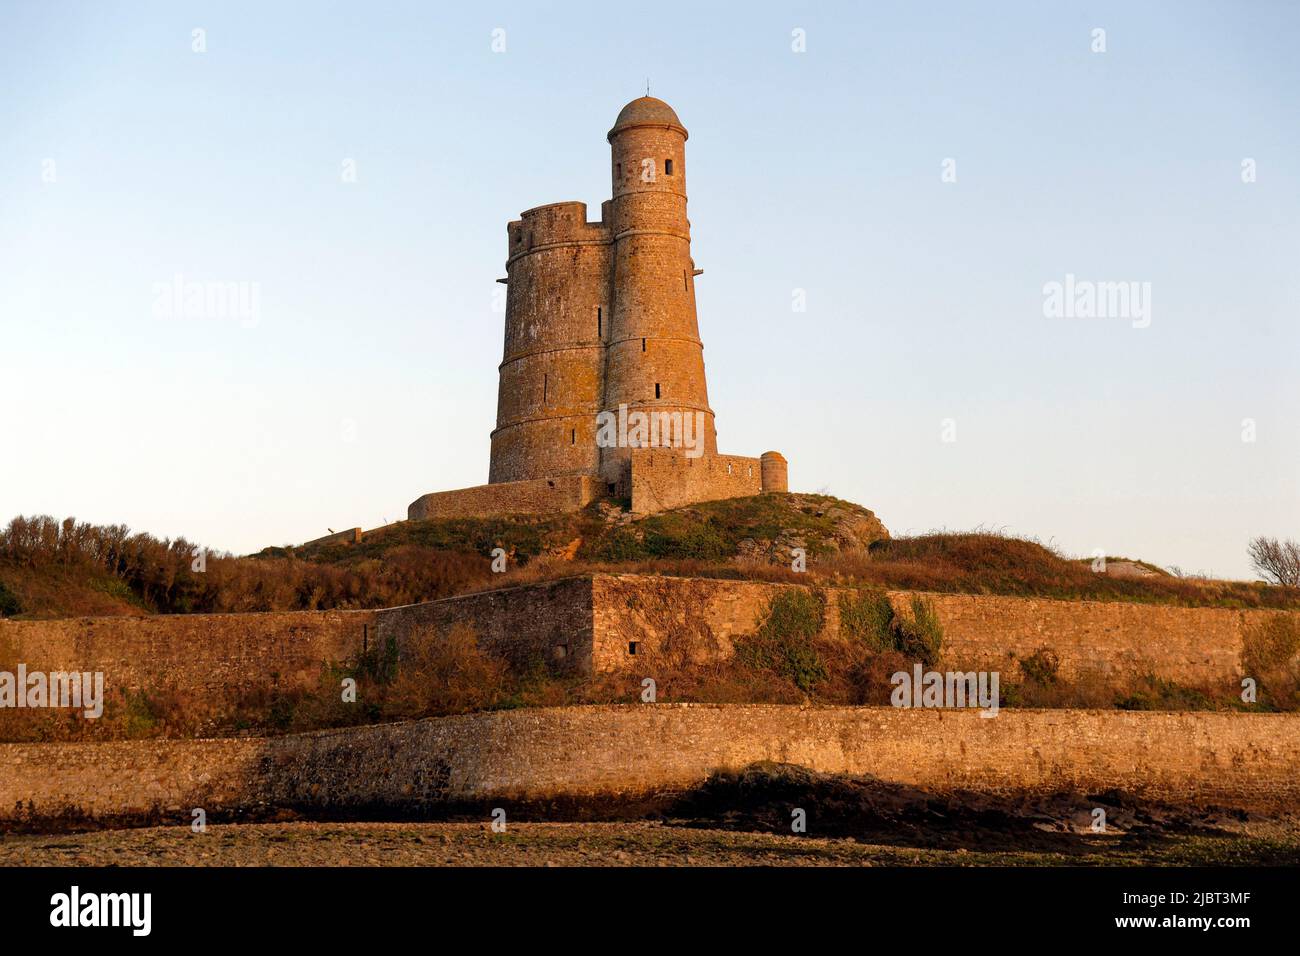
[
  {"x": 773, "y": 471},
  {"x": 654, "y": 360}
]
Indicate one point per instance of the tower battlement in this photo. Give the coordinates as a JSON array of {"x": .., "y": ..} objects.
[{"x": 555, "y": 223}]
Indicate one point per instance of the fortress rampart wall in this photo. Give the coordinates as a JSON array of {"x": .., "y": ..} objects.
[
  {"x": 1199, "y": 647},
  {"x": 549, "y": 622},
  {"x": 214, "y": 655},
  {"x": 1234, "y": 760},
  {"x": 594, "y": 619},
  {"x": 663, "y": 478},
  {"x": 536, "y": 496}
]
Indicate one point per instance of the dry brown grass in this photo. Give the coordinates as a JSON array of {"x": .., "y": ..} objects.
[
  {"x": 986, "y": 563},
  {"x": 59, "y": 569},
  {"x": 1271, "y": 656}
]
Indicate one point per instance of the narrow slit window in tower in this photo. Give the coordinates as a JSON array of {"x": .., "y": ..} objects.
[
  {"x": 544, "y": 387},
  {"x": 573, "y": 436},
  {"x": 668, "y": 167},
  {"x": 656, "y": 389},
  {"x": 600, "y": 323},
  {"x": 643, "y": 345}
]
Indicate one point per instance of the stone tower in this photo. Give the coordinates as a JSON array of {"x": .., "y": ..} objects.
[
  {"x": 552, "y": 375},
  {"x": 602, "y": 315},
  {"x": 654, "y": 359},
  {"x": 601, "y": 322}
]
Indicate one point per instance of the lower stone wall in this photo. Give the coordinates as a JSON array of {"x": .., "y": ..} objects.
[
  {"x": 663, "y": 478},
  {"x": 1238, "y": 760},
  {"x": 537, "y": 496}
]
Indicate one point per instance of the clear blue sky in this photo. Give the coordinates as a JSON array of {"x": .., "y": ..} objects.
[{"x": 369, "y": 377}]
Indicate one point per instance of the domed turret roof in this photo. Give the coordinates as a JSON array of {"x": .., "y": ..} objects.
[{"x": 647, "y": 111}]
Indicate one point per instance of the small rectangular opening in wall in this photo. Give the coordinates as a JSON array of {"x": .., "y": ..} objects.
[
  {"x": 632, "y": 647},
  {"x": 545, "y": 384},
  {"x": 686, "y": 280},
  {"x": 643, "y": 345},
  {"x": 573, "y": 436},
  {"x": 668, "y": 167},
  {"x": 560, "y": 651},
  {"x": 611, "y": 488},
  {"x": 600, "y": 323},
  {"x": 656, "y": 389}
]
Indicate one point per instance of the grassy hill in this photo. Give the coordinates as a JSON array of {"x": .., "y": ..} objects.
[{"x": 50, "y": 568}]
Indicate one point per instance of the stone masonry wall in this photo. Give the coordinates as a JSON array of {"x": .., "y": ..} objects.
[
  {"x": 697, "y": 619},
  {"x": 538, "y": 496},
  {"x": 1194, "y": 646},
  {"x": 220, "y": 658},
  {"x": 592, "y": 622},
  {"x": 549, "y": 622},
  {"x": 552, "y": 374},
  {"x": 212, "y": 654},
  {"x": 664, "y": 478},
  {"x": 1242, "y": 760},
  {"x": 350, "y": 536}
]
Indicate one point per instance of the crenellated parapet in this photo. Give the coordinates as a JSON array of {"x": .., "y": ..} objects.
[{"x": 555, "y": 224}]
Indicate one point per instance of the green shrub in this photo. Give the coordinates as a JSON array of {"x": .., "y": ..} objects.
[
  {"x": 281, "y": 712},
  {"x": 143, "y": 713},
  {"x": 868, "y": 617},
  {"x": 701, "y": 542},
  {"x": 618, "y": 545},
  {"x": 1041, "y": 667},
  {"x": 1155, "y": 693},
  {"x": 786, "y": 641},
  {"x": 921, "y": 637},
  {"x": 376, "y": 663},
  {"x": 9, "y": 603}
]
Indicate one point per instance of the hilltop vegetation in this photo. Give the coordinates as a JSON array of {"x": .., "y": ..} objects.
[{"x": 51, "y": 568}]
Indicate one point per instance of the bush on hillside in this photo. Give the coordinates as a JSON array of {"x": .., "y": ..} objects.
[
  {"x": 786, "y": 642},
  {"x": 9, "y": 603}
]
